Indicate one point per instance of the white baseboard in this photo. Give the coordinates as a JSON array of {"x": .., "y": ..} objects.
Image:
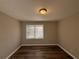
[
  {"x": 27, "y": 45},
  {"x": 13, "y": 52},
  {"x": 41, "y": 45},
  {"x": 67, "y": 52},
  {"x": 37, "y": 44}
]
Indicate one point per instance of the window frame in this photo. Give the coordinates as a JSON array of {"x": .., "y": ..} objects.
[{"x": 34, "y": 32}]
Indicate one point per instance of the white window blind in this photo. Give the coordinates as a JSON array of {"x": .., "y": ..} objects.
[{"x": 34, "y": 32}]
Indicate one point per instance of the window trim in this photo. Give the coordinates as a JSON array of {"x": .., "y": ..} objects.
[{"x": 34, "y": 32}]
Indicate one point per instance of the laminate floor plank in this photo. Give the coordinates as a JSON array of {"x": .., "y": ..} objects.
[{"x": 40, "y": 52}]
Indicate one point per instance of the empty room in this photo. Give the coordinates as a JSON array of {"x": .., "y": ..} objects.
[{"x": 39, "y": 29}]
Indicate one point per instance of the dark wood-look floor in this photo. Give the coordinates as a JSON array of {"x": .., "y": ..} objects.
[{"x": 40, "y": 52}]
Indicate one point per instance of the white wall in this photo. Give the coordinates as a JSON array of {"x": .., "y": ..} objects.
[
  {"x": 50, "y": 33},
  {"x": 9, "y": 35},
  {"x": 68, "y": 32}
]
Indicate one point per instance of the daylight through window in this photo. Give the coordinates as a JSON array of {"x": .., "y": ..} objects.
[{"x": 34, "y": 31}]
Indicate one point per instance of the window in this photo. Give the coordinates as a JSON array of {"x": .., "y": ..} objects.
[{"x": 34, "y": 32}]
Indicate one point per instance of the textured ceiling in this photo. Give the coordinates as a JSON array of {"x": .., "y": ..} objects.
[{"x": 27, "y": 10}]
